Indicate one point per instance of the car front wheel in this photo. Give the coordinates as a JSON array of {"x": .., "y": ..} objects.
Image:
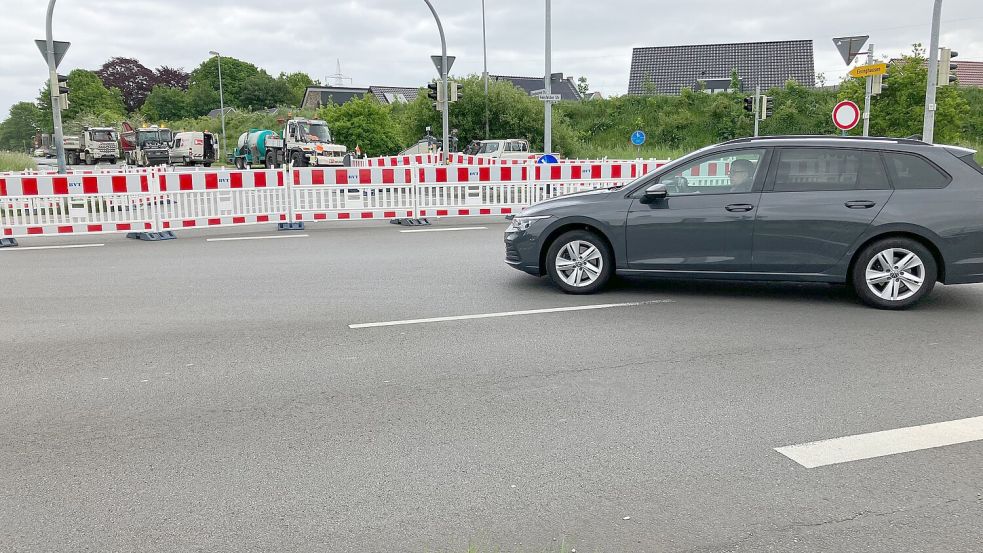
[
  {"x": 894, "y": 273},
  {"x": 579, "y": 262}
]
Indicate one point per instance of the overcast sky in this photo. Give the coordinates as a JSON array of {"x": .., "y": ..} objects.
[{"x": 388, "y": 42}]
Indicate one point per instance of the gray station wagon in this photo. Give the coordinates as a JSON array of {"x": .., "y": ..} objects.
[{"x": 890, "y": 217}]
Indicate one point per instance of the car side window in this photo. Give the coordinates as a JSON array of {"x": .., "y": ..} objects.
[
  {"x": 913, "y": 172},
  {"x": 731, "y": 172},
  {"x": 829, "y": 170}
]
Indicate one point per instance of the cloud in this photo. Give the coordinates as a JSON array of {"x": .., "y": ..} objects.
[{"x": 389, "y": 42}]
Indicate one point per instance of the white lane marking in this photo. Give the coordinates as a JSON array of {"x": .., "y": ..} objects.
[
  {"x": 445, "y": 229},
  {"x": 67, "y": 247},
  {"x": 507, "y": 314},
  {"x": 257, "y": 238},
  {"x": 887, "y": 442}
]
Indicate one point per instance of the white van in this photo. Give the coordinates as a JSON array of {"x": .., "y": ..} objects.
[{"x": 194, "y": 148}]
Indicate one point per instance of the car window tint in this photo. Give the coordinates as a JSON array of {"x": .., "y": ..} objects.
[
  {"x": 910, "y": 172},
  {"x": 829, "y": 169},
  {"x": 734, "y": 171}
]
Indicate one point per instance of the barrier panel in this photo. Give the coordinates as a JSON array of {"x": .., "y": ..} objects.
[
  {"x": 476, "y": 190},
  {"x": 222, "y": 198},
  {"x": 46, "y": 205},
  {"x": 352, "y": 193}
]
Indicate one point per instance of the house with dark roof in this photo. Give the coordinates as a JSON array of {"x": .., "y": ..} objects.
[
  {"x": 394, "y": 94},
  {"x": 317, "y": 96},
  {"x": 669, "y": 69},
  {"x": 969, "y": 73},
  {"x": 565, "y": 87}
]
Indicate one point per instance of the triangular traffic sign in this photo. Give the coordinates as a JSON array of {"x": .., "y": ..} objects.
[
  {"x": 437, "y": 60},
  {"x": 60, "y": 49},
  {"x": 849, "y": 46}
]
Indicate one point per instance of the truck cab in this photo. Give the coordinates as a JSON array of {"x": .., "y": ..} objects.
[
  {"x": 98, "y": 144},
  {"x": 146, "y": 146},
  {"x": 308, "y": 143}
]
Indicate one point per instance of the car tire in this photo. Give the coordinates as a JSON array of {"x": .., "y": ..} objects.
[
  {"x": 579, "y": 262},
  {"x": 893, "y": 273}
]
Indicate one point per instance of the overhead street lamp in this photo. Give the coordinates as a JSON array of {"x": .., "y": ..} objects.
[
  {"x": 221, "y": 97},
  {"x": 443, "y": 79}
]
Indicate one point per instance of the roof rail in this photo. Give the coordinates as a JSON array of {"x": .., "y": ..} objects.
[{"x": 909, "y": 140}]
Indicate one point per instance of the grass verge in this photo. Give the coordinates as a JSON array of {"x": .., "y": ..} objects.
[{"x": 12, "y": 161}]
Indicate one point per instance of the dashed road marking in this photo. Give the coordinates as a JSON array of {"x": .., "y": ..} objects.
[
  {"x": 257, "y": 238},
  {"x": 451, "y": 229},
  {"x": 65, "y": 247},
  {"x": 507, "y": 314},
  {"x": 887, "y": 442}
]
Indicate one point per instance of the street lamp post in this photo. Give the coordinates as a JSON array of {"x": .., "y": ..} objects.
[
  {"x": 221, "y": 98},
  {"x": 928, "y": 125},
  {"x": 443, "y": 78},
  {"x": 55, "y": 93},
  {"x": 484, "y": 45}
]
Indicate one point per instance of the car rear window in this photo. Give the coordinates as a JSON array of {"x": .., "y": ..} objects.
[
  {"x": 829, "y": 169},
  {"x": 971, "y": 161},
  {"x": 913, "y": 172}
]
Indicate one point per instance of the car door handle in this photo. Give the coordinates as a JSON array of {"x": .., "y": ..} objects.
[
  {"x": 860, "y": 204},
  {"x": 739, "y": 207}
]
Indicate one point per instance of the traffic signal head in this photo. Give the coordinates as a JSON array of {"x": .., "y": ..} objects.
[
  {"x": 457, "y": 91},
  {"x": 62, "y": 91},
  {"x": 432, "y": 91},
  {"x": 767, "y": 107},
  {"x": 947, "y": 69},
  {"x": 749, "y": 104}
]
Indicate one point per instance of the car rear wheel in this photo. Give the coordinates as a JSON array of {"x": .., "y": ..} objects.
[
  {"x": 894, "y": 273},
  {"x": 579, "y": 262}
]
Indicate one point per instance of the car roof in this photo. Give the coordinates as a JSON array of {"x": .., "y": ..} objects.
[{"x": 838, "y": 141}]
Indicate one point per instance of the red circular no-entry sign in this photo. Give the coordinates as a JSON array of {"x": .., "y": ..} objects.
[{"x": 846, "y": 115}]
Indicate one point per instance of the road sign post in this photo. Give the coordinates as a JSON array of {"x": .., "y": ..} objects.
[
  {"x": 444, "y": 68},
  {"x": 869, "y": 90},
  {"x": 53, "y": 53},
  {"x": 928, "y": 123}
]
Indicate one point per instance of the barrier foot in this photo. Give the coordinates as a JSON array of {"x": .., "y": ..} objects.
[
  {"x": 290, "y": 226},
  {"x": 411, "y": 222},
  {"x": 8, "y": 243},
  {"x": 167, "y": 235}
]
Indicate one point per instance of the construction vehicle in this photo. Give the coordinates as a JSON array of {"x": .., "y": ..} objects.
[
  {"x": 258, "y": 147},
  {"x": 95, "y": 144},
  {"x": 145, "y": 146},
  {"x": 194, "y": 148},
  {"x": 307, "y": 142}
]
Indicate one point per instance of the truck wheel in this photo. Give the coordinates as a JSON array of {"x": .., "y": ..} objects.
[
  {"x": 88, "y": 159},
  {"x": 299, "y": 160},
  {"x": 270, "y": 160},
  {"x": 239, "y": 164}
]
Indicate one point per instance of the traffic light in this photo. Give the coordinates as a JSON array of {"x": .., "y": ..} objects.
[
  {"x": 877, "y": 84},
  {"x": 767, "y": 107},
  {"x": 457, "y": 91},
  {"x": 947, "y": 69},
  {"x": 749, "y": 104},
  {"x": 63, "y": 92},
  {"x": 436, "y": 93}
]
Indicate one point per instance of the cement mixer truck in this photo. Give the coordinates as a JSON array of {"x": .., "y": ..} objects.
[{"x": 304, "y": 142}]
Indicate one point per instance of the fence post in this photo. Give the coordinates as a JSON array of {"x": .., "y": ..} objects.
[{"x": 415, "y": 188}]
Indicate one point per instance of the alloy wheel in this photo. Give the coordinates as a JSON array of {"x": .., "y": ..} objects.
[
  {"x": 579, "y": 263},
  {"x": 895, "y": 274}
]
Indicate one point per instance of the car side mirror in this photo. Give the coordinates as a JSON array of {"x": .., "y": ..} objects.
[{"x": 656, "y": 192}]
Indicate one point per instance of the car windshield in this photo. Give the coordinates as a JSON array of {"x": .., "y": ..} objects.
[
  {"x": 314, "y": 132},
  {"x": 488, "y": 148},
  {"x": 102, "y": 136}
]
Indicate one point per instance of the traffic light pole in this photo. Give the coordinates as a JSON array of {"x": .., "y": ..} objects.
[
  {"x": 443, "y": 82},
  {"x": 55, "y": 93},
  {"x": 928, "y": 127},
  {"x": 870, "y": 88}
]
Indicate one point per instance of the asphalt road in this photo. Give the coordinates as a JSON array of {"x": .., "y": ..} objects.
[{"x": 211, "y": 396}]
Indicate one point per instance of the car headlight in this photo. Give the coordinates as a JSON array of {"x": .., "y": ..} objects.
[{"x": 520, "y": 224}]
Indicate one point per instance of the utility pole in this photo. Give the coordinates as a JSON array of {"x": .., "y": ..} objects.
[
  {"x": 221, "y": 98},
  {"x": 928, "y": 127},
  {"x": 870, "y": 85},
  {"x": 484, "y": 44},
  {"x": 55, "y": 93},
  {"x": 548, "y": 115},
  {"x": 443, "y": 80}
]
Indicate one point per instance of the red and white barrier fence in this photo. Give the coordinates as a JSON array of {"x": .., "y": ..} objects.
[{"x": 158, "y": 201}]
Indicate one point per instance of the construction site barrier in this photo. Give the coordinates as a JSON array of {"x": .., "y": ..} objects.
[{"x": 159, "y": 200}]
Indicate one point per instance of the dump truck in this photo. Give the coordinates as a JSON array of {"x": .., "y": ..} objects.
[{"x": 145, "y": 146}]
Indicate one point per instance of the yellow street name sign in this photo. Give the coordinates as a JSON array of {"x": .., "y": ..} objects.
[{"x": 869, "y": 70}]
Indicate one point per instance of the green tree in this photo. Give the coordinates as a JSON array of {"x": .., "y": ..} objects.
[
  {"x": 298, "y": 83},
  {"x": 583, "y": 87},
  {"x": 235, "y": 73},
  {"x": 262, "y": 91},
  {"x": 165, "y": 104},
  {"x": 363, "y": 122},
  {"x": 20, "y": 127},
  {"x": 202, "y": 99}
]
